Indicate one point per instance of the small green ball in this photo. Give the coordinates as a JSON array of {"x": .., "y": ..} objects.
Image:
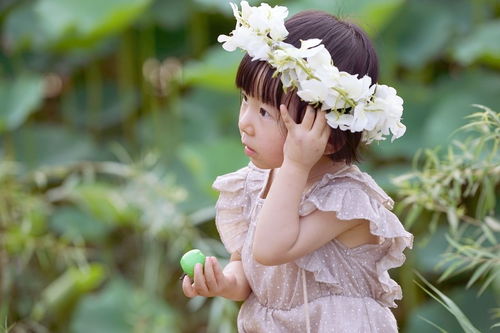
[{"x": 190, "y": 259}]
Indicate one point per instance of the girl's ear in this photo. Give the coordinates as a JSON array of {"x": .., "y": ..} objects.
[{"x": 329, "y": 149}]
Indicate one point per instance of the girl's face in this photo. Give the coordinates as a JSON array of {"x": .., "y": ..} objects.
[{"x": 262, "y": 132}]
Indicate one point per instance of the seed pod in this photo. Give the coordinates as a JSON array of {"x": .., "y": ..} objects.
[{"x": 190, "y": 259}]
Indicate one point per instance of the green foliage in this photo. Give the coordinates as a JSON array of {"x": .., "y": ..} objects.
[
  {"x": 63, "y": 25},
  {"x": 121, "y": 308},
  {"x": 448, "y": 304},
  {"x": 89, "y": 87},
  {"x": 477, "y": 47},
  {"x": 469, "y": 169},
  {"x": 103, "y": 240},
  {"x": 18, "y": 99},
  {"x": 460, "y": 187}
]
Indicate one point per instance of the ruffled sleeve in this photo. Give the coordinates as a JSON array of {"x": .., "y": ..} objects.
[
  {"x": 353, "y": 194},
  {"x": 234, "y": 205}
]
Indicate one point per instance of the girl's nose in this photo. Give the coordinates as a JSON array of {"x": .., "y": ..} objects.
[{"x": 245, "y": 123}]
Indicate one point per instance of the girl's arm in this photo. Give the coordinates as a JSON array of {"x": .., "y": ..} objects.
[
  {"x": 210, "y": 281},
  {"x": 281, "y": 235}
]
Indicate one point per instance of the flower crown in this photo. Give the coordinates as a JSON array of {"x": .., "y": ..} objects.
[{"x": 354, "y": 103}]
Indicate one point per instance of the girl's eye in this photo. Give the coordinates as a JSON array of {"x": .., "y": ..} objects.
[
  {"x": 244, "y": 97},
  {"x": 263, "y": 113}
]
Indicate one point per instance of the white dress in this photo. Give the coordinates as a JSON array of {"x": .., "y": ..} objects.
[{"x": 335, "y": 288}]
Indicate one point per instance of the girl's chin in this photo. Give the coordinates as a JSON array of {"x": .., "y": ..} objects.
[{"x": 263, "y": 165}]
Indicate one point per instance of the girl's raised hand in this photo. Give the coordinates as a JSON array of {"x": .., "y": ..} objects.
[
  {"x": 209, "y": 281},
  {"x": 305, "y": 142}
]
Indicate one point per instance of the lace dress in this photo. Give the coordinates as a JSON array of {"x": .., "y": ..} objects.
[{"x": 333, "y": 289}]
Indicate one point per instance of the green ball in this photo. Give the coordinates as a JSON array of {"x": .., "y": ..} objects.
[{"x": 190, "y": 259}]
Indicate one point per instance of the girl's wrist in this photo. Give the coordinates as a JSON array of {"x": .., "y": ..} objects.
[
  {"x": 231, "y": 290},
  {"x": 300, "y": 170}
]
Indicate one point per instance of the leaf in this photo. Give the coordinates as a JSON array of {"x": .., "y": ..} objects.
[
  {"x": 20, "y": 27},
  {"x": 105, "y": 203},
  {"x": 120, "y": 307},
  {"x": 169, "y": 14},
  {"x": 216, "y": 70},
  {"x": 429, "y": 255},
  {"x": 412, "y": 215},
  {"x": 44, "y": 145},
  {"x": 433, "y": 324},
  {"x": 209, "y": 114},
  {"x": 452, "y": 99},
  {"x": 492, "y": 223},
  {"x": 208, "y": 160},
  {"x": 474, "y": 307},
  {"x": 18, "y": 99},
  {"x": 67, "y": 24},
  {"x": 451, "y": 214},
  {"x": 75, "y": 224},
  {"x": 479, "y": 271},
  {"x": 478, "y": 46},
  {"x": 67, "y": 289},
  {"x": 423, "y": 30},
  {"x": 489, "y": 280},
  {"x": 448, "y": 304},
  {"x": 112, "y": 109},
  {"x": 371, "y": 15}
]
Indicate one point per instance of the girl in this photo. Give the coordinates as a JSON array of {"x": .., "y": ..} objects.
[{"x": 311, "y": 237}]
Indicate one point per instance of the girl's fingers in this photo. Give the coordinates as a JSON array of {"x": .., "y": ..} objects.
[
  {"x": 287, "y": 120},
  {"x": 199, "y": 280},
  {"x": 308, "y": 120},
  {"x": 187, "y": 287},
  {"x": 219, "y": 276},
  {"x": 320, "y": 122},
  {"x": 325, "y": 134},
  {"x": 211, "y": 280}
]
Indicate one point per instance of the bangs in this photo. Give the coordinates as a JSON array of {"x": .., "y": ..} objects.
[{"x": 256, "y": 79}]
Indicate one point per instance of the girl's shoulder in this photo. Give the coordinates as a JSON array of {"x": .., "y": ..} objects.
[
  {"x": 353, "y": 194},
  {"x": 350, "y": 181},
  {"x": 232, "y": 210},
  {"x": 247, "y": 178}
]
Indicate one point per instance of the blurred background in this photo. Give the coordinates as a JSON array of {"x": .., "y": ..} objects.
[{"x": 116, "y": 116}]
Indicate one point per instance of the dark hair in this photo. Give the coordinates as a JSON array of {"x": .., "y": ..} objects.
[{"x": 351, "y": 51}]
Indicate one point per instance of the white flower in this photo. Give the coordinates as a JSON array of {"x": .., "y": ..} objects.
[
  {"x": 365, "y": 120},
  {"x": 244, "y": 38},
  {"x": 246, "y": 10},
  {"x": 356, "y": 105},
  {"x": 386, "y": 101},
  {"x": 321, "y": 58},
  {"x": 321, "y": 65},
  {"x": 336, "y": 119},
  {"x": 292, "y": 76},
  {"x": 282, "y": 59},
  {"x": 356, "y": 89},
  {"x": 286, "y": 58},
  {"x": 397, "y": 130},
  {"x": 334, "y": 101},
  {"x": 266, "y": 19},
  {"x": 312, "y": 91}
]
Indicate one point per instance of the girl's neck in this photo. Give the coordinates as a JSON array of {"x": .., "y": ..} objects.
[{"x": 323, "y": 166}]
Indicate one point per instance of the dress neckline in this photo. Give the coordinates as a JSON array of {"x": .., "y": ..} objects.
[{"x": 308, "y": 189}]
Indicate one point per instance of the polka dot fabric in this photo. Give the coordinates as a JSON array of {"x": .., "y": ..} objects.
[{"x": 348, "y": 289}]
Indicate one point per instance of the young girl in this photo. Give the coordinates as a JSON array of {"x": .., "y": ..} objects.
[{"x": 311, "y": 237}]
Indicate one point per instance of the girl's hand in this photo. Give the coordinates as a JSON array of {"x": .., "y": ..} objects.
[
  {"x": 209, "y": 281},
  {"x": 305, "y": 142}
]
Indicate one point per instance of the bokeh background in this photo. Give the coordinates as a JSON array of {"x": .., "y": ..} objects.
[{"x": 117, "y": 115}]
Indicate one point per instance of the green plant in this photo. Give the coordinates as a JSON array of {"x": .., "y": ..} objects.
[
  {"x": 98, "y": 235},
  {"x": 460, "y": 187}
]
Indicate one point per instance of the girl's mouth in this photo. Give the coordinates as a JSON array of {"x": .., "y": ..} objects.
[{"x": 249, "y": 151}]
